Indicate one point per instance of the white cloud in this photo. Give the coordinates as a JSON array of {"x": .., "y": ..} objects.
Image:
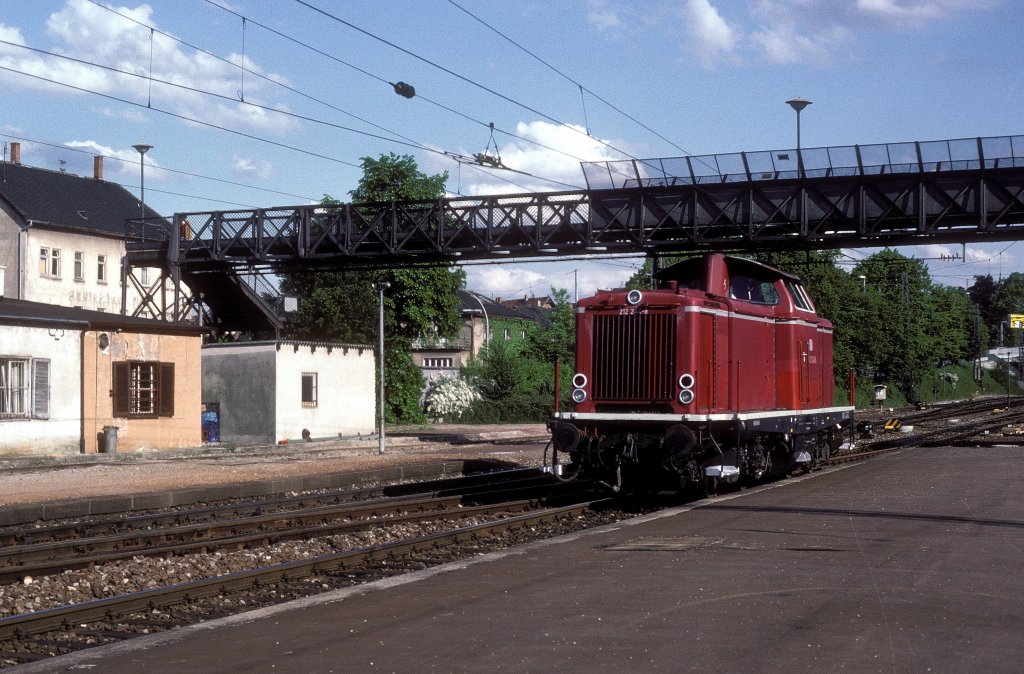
[
  {"x": 507, "y": 281},
  {"x": 93, "y": 34},
  {"x": 535, "y": 279},
  {"x": 251, "y": 168},
  {"x": 126, "y": 161},
  {"x": 10, "y": 34},
  {"x": 712, "y": 35},
  {"x": 781, "y": 43},
  {"x": 603, "y": 16},
  {"x": 900, "y": 13}
]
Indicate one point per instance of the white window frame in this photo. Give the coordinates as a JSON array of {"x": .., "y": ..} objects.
[
  {"x": 101, "y": 268},
  {"x": 24, "y": 388},
  {"x": 79, "y": 265},
  {"x": 49, "y": 262}
]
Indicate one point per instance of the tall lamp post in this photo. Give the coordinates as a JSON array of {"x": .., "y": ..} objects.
[
  {"x": 798, "y": 104},
  {"x": 142, "y": 149},
  {"x": 487, "y": 321},
  {"x": 381, "y": 287}
]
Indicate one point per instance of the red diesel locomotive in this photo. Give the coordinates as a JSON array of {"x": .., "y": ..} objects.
[{"x": 722, "y": 374}]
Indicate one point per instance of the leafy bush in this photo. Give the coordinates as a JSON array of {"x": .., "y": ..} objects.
[
  {"x": 449, "y": 398},
  {"x": 519, "y": 408}
]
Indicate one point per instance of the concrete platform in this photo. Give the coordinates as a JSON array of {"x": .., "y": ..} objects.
[{"x": 908, "y": 563}]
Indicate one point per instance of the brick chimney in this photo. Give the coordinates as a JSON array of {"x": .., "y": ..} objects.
[
  {"x": 16, "y": 153},
  {"x": 97, "y": 167}
]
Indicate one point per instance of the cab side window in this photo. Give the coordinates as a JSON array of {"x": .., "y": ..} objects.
[{"x": 753, "y": 290}]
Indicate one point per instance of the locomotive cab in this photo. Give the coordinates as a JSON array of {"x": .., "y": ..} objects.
[{"x": 722, "y": 373}]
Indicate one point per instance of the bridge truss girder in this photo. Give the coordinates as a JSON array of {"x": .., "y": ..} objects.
[{"x": 903, "y": 209}]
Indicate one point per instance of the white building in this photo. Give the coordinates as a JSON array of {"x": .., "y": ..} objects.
[
  {"x": 265, "y": 392},
  {"x": 62, "y": 236},
  {"x": 40, "y": 387}
]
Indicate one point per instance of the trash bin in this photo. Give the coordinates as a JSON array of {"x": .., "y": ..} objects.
[{"x": 109, "y": 444}]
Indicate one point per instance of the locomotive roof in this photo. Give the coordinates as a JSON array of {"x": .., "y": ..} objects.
[{"x": 693, "y": 267}]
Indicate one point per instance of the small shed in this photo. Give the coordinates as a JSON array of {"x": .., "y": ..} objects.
[
  {"x": 265, "y": 392},
  {"x": 71, "y": 380}
]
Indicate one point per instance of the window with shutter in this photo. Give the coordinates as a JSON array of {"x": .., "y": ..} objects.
[
  {"x": 122, "y": 389},
  {"x": 40, "y": 388},
  {"x": 143, "y": 389},
  {"x": 14, "y": 388},
  {"x": 166, "y": 402}
]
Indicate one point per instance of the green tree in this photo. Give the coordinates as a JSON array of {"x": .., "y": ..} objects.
[
  {"x": 1007, "y": 298},
  {"x": 342, "y": 305},
  {"x": 557, "y": 340}
]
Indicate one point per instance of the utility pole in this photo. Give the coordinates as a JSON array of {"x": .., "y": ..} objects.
[{"x": 381, "y": 287}]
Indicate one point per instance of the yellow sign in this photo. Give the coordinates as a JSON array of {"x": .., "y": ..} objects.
[{"x": 1017, "y": 320}]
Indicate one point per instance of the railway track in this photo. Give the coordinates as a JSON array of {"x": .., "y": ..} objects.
[
  {"x": 34, "y": 550},
  {"x": 963, "y": 423},
  {"x": 43, "y": 634},
  {"x": 405, "y": 533}
]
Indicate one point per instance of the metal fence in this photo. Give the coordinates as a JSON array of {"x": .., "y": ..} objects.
[{"x": 821, "y": 162}]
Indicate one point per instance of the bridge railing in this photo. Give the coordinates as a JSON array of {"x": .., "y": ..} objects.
[
  {"x": 139, "y": 230},
  {"x": 959, "y": 154}
]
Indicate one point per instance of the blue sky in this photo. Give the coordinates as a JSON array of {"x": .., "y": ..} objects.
[{"x": 691, "y": 76}]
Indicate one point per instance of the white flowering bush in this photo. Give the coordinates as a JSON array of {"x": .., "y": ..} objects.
[
  {"x": 950, "y": 378},
  {"x": 449, "y": 397}
]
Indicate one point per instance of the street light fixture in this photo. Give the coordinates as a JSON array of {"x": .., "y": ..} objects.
[
  {"x": 142, "y": 149},
  {"x": 381, "y": 287},
  {"x": 798, "y": 104}
]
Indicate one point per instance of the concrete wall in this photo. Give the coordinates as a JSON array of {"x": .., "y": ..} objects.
[
  {"x": 345, "y": 390},
  {"x": 259, "y": 389},
  {"x": 61, "y": 433},
  {"x": 241, "y": 378},
  {"x": 9, "y": 233},
  {"x": 181, "y": 430}
]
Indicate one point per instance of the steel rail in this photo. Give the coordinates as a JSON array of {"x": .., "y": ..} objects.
[
  {"x": 117, "y": 521},
  {"x": 108, "y": 609},
  {"x": 48, "y": 558}
]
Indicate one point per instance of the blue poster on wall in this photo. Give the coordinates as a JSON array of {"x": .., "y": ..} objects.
[{"x": 211, "y": 422}]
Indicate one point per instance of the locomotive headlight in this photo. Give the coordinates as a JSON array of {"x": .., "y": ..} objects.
[
  {"x": 579, "y": 380},
  {"x": 634, "y": 296},
  {"x": 686, "y": 381},
  {"x": 686, "y": 396},
  {"x": 579, "y": 395}
]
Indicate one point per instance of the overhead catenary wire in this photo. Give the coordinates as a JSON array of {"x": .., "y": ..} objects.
[
  {"x": 574, "y": 81},
  {"x": 151, "y": 166},
  {"x": 383, "y": 80},
  {"x": 266, "y": 108},
  {"x": 459, "y": 76},
  {"x": 277, "y": 83}
]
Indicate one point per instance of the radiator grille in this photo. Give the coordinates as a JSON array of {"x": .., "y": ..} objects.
[{"x": 634, "y": 357}]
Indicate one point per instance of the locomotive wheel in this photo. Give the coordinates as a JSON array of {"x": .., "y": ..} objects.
[{"x": 822, "y": 453}]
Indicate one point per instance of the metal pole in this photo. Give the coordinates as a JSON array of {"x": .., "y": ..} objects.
[
  {"x": 142, "y": 149},
  {"x": 487, "y": 321},
  {"x": 141, "y": 179},
  {"x": 380, "y": 357}
]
